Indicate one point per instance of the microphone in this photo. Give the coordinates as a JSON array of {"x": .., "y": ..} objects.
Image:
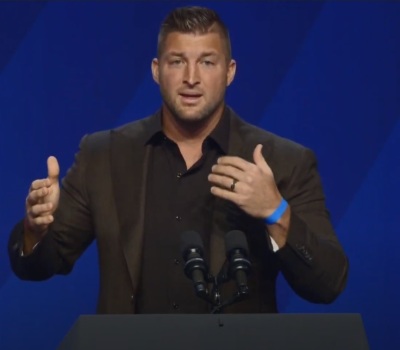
[
  {"x": 237, "y": 252},
  {"x": 237, "y": 267},
  {"x": 195, "y": 267}
]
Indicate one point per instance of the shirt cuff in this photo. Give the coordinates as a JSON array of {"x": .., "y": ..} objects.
[
  {"x": 22, "y": 250},
  {"x": 275, "y": 247}
]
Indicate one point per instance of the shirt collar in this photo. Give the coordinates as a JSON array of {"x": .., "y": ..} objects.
[
  {"x": 153, "y": 130},
  {"x": 220, "y": 134}
]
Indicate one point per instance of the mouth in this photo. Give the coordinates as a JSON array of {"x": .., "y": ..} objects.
[{"x": 190, "y": 98}]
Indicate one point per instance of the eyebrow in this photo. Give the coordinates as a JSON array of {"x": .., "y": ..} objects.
[{"x": 181, "y": 54}]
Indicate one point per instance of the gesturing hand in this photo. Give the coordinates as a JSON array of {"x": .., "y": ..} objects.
[
  {"x": 251, "y": 186},
  {"x": 42, "y": 200}
]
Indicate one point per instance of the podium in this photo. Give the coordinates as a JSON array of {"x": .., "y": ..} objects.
[{"x": 222, "y": 331}]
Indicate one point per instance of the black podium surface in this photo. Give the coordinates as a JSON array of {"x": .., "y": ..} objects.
[{"x": 195, "y": 332}]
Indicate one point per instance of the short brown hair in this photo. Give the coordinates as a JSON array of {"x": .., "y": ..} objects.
[{"x": 193, "y": 19}]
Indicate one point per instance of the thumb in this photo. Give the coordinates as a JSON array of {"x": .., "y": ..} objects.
[
  {"x": 259, "y": 159},
  {"x": 53, "y": 169}
]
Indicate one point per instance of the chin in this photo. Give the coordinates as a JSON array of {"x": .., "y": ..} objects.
[
  {"x": 191, "y": 119},
  {"x": 193, "y": 116}
]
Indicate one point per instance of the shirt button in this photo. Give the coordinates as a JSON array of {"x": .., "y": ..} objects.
[
  {"x": 178, "y": 218},
  {"x": 175, "y": 305},
  {"x": 176, "y": 261},
  {"x": 179, "y": 175}
]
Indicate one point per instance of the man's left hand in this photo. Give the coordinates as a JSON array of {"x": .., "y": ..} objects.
[{"x": 251, "y": 186}]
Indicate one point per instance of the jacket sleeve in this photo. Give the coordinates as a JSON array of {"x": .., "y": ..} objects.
[
  {"x": 312, "y": 261},
  {"x": 68, "y": 236}
]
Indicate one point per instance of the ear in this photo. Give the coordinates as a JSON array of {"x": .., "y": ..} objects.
[
  {"x": 155, "y": 70},
  {"x": 231, "y": 72}
]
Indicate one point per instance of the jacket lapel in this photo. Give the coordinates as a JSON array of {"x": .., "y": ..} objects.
[
  {"x": 225, "y": 213},
  {"x": 221, "y": 223},
  {"x": 129, "y": 164}
]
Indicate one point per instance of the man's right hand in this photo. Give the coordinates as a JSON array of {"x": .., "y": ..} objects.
[{"x": 41, "y": 203}]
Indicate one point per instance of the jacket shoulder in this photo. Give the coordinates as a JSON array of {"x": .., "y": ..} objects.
[
  {"x": 100, "y": 140},
  {"x": 273, "y": 144}
]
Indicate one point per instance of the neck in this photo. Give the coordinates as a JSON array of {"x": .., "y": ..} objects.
[{"x": 191, "y": 132}]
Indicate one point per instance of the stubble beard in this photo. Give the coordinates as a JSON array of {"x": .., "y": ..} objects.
[{"x": 202, "y": 117}]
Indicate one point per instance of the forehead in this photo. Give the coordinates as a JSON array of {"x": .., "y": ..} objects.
[{"x": 193, "y": 43}]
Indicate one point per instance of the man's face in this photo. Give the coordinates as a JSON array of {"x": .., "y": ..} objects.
[{"x": 193, "y": 74}]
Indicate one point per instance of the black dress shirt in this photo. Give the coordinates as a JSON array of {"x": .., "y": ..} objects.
[{"x": 177, "y": 199}]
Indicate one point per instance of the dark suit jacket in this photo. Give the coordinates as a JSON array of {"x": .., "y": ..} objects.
[{"x": 103, "y": 197}]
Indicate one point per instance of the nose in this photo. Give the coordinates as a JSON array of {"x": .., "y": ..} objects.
[{"x": 191, "y": 76}]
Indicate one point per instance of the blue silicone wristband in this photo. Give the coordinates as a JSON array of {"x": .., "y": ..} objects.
[{"x": 277, "y": 214}]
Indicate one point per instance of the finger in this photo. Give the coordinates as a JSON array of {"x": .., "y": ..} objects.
[
  {"x": 37, "y": 184},
  {"x": 259, "y": 159},
  {"x": 36, "y": 195},
  {"x": 221, "y": 181},
  {"x": 237, "y": 162},
  {"x": 40, "y": 210},
  {"x": 225, "y": 194},
  {"x": 53, "y": 169},
  {"x": 41, "y": 221},
  {"x": 228, "y": 171}
]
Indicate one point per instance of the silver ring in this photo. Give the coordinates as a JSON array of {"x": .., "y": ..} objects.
[{"x": 233, "y": 185}]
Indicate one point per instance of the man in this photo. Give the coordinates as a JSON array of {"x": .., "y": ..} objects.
[{"x": 193, "y": 165}]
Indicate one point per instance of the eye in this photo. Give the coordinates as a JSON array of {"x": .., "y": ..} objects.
[
  {"x": 208, "y": 63},
  {"x": 176, "y": 62}
]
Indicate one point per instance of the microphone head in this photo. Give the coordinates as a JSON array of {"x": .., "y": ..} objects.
[
  {"x": 236, "y": 240},
  {"x": 191, "y": 240}
]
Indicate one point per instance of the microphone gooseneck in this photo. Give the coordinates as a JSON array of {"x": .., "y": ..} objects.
[{"x": 236, "y": 267}]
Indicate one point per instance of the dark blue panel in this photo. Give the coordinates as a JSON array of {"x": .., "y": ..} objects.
[
  {"x": 342, "y": 95},
  {"x": 16, "y": 18}
]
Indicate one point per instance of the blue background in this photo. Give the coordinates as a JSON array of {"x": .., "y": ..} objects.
[{"x": 326, "y": 74}]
